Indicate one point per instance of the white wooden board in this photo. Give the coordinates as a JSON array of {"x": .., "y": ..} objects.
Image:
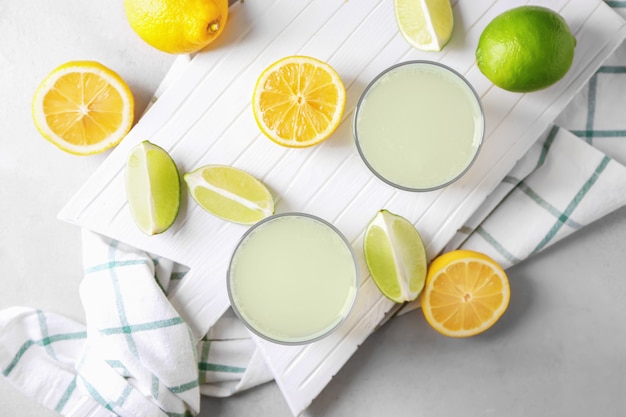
[{"x": 204, "y": 116}]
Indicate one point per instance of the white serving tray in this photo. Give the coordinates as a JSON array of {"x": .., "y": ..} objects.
[{"x": 204, "y": 116}]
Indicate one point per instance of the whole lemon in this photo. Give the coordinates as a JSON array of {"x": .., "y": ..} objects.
[
  {"x": 525, "y": 49},
  {"x": 177, "y": 26}
]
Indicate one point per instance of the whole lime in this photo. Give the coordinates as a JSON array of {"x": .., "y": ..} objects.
[{"x": 525, "y": 49}]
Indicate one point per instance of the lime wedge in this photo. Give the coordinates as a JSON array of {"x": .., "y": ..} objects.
[
  {"x": 395, "y": 256},
  {"x": 230, "y": 194},
  {"x": 425, "y": 24},
  {"x": 152, "y": 188}
]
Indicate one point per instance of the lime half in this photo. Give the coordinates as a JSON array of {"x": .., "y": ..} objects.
[
  {"x": 425, "y": 24},
  {"x": 152, "y": 188},
  {"x": 395, "y": 256},
  {"x": 230, "y": 194}
]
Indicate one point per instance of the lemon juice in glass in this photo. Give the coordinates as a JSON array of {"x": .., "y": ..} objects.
[
  {"x": 293, "y": 278},
  {"x": 419, "y": 125}
]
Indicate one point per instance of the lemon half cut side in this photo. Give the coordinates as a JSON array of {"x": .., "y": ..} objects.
[
  {"x": 466, "y": 293},
  {"x": 83, "y": 107},
  {"x": 298, "y": 101}
]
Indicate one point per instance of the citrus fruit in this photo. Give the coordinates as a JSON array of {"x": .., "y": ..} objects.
[
  {"x": 177, "y": 26},
  {"x": 152, "y": 188},
  {"x": 230, "y": 193},
  {"x": 425, "y": 24},
  {"x": 83, "y": 107},
  {"x": 395, "y": 256},
  {"x": 298, "y": 101},
  {"x": 525, "y": 49},
  {"x": 465, "y": 293}
]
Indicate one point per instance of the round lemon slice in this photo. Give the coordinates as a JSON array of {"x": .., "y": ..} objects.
[
  {"x": 425, "y": 24},
  {"x": 466, "y": 293},
  {"x": 298, "y": 101},
  {"x": 83, "y": 107}
]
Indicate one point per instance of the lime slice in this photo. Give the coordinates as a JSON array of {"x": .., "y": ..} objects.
[
  {"x": 425, "y": 24},
  {"x": 152, "y": 188},
  {"x": 395, "y": 256},
  {"x": 230, "y": 194}
]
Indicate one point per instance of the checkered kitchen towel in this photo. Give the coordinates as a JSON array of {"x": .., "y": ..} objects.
[
  {"x": 135, "y": 356},
  {"x": 561, "y": 185}
]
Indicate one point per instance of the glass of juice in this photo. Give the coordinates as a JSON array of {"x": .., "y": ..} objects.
[
  {"x": 292, "y": 278},
  {"x": 419, "y": 125}
]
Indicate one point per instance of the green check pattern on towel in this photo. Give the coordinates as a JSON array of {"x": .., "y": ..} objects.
[
  {"x": 571, "y": 177},
  {"x": 135, "y": 355},
  {"x": 559, "y": 186}
]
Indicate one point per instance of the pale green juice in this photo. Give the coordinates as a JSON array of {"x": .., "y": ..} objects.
[
  {"x": 293, "y": 278},
  {"x": 419, "y": 126}
]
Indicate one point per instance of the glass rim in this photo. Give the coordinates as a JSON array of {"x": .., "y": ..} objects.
[
  {"x": 317, "y": 336},
  {"x": 427, "y": 63}
]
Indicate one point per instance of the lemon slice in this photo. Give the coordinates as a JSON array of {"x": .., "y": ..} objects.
[
  {"x": 425, "y": 24},
  {"x": 152, "y": 188},
  {"x": 395, "y": 256},
  {"x": 298, "y": 101},
  {"x": 83, "y": 107},
  {"x": 230, "y": 193},
  {"x": 466, "y": 292}
]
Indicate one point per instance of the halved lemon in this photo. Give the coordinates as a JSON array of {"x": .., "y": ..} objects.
[
  {"x": 83, "y": 107},
  {"x": 230, "y": 193},
  {"x": 466, "y": 292},
  {"x": 298, "y": 101}
]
